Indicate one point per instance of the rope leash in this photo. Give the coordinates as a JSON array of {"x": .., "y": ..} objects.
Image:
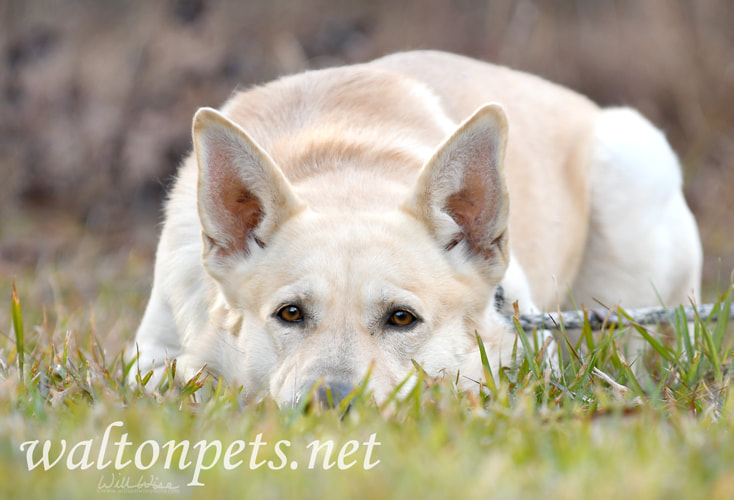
[{"x": 600, "y": 317}]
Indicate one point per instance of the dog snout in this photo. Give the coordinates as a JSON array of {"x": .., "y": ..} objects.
[{"x": 323, "y": 395}]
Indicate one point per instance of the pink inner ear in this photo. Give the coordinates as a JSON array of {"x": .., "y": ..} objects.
[
  {"x": 466, "y": 207},
  {"x": 237, "y": 210},
  {"x": 473, "y": 209}
]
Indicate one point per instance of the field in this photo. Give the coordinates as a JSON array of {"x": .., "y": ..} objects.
[
  {"x": 600, "y": 427},
  {"x": 94, "y": 117}
]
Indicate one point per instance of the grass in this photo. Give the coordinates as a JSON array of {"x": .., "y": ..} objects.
[{"x": 599, "y": 427}]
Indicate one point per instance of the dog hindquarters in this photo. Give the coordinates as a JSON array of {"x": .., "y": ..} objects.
[{"x": 643, "y": 243}]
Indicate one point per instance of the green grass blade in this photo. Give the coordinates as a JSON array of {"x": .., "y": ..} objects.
[
  {"x": 682, "y": 326},
  {"x": 654, "y": 343},
  {"x": 529, "y": 357},
  {"x": 586, "y": 332},
  {"x": 710, "y": 350},
  {"x": 18, "y": 328},
  {"x": 722, "y": 321},
  {"x": 194, "y": 383},
  {"x": 631, "y": 379},
  {"x": 144, "y": 381},
  {"x": 361, "y": 392},
  {"x": 488, "y": 376}
]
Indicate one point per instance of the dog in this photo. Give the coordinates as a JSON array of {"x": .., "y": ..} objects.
[{"x": 349, "y": 221}]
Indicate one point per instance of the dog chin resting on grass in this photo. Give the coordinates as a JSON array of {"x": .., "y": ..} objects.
[{"x": 351, "y": 220}]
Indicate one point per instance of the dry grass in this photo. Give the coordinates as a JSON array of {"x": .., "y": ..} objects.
[{"x": 97, "y": 97}]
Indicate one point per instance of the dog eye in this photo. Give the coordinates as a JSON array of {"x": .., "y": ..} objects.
[
  {"x": 401, "y": 318},
  {"x": 290, "y": 314}
]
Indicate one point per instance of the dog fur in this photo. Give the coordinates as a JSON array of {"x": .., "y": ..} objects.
[{"x": 349, "y": 197}]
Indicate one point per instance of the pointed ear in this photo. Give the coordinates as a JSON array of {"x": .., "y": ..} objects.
[
  {"x": 461, "y": 194},
  {"x": 242, "y": 195}
]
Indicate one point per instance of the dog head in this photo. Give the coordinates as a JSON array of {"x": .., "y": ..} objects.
[{"x": 305, "y": 294}]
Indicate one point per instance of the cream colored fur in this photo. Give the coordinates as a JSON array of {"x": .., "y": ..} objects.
[{"x": 356, "y": 192}]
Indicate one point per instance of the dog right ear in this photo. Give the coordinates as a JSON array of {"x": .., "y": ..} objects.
[
  {"x": 242, "y": 195},
  {"x": 461, "y": 194}
]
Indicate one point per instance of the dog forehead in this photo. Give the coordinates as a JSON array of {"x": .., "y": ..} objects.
[
  {"x": 351, "y": 253},
  {"x": 358, "y": 241}
]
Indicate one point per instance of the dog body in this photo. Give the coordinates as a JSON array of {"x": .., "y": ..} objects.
[{"x": 355, "y": 219}]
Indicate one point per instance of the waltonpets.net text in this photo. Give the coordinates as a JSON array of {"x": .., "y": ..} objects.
[{"x": 204, "y": 455}]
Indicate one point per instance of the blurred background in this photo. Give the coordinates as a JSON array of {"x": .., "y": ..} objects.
[{"x": 96, "y": 100}]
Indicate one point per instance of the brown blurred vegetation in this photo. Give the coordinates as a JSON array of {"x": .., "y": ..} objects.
[{"x": 96, "y": 98}]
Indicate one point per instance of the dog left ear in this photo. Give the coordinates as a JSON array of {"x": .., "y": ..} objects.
[
  {"x": 243, "y": 197},
  {"x": 461, "y": 194}
]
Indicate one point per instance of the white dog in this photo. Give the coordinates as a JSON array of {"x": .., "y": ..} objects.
[{"x": 357, "y": 218}]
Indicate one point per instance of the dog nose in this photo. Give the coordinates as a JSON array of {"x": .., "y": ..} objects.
[{"x": 327, "y": 395}]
